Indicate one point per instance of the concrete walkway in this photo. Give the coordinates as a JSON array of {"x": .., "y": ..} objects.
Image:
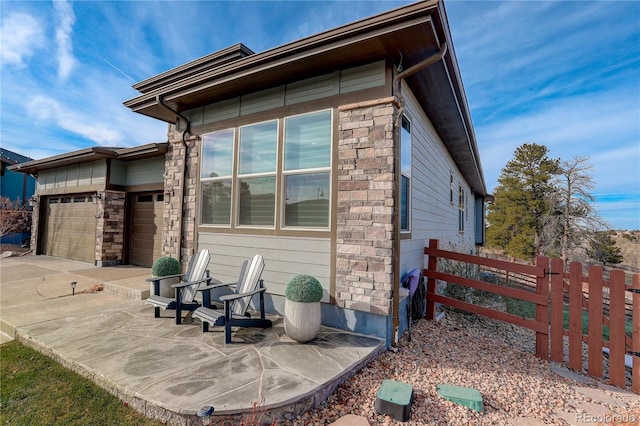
[{"x": 163, "y": 370}]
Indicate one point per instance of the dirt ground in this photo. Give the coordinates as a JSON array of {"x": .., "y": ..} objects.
[{"x": 14, "y": 248}]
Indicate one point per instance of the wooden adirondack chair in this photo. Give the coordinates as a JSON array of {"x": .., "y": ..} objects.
[
  {"x": 236, "y": 304},
  {"x": 185, "y": 291}
]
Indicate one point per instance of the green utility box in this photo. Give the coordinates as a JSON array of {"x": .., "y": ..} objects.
[
  {"x": 394, "y": 399},
  {"x": 467, "y": 397}
]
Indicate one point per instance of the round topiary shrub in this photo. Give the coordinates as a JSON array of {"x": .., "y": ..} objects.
[
  {"x": 304, "y": 289},
  {"x": 166, "y": 265}
]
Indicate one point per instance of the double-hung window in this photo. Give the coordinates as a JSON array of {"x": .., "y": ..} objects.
[
  {"x": 216, "y": 177},
  {"x": 307, "y": 167},
  {"x": 405, "y": 184},
  {"x": 258, "y": 152}
]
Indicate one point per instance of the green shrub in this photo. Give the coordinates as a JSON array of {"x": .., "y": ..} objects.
[
  {"x": 304, "y": 288},
  {"x": 166, "y": 265}
]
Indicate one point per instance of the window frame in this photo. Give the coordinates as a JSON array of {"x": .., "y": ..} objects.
[
  {"x": 224, "y": 178},
  {"x": 406, "y": 173},
  {"x": 461, "y": 208},
  {"x": 306, "y": 171},
  {"x": 238, "y": 176},
  {"x": 451, "y": 188},
  {"x": 279, "y": 174}
]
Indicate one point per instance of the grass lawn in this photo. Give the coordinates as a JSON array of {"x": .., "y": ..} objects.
[{"x": 36, "y": 390}]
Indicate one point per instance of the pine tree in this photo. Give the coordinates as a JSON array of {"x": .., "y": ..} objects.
[
  {"x": 603, "y": 249},
  {"x": 521, "y": 201}
]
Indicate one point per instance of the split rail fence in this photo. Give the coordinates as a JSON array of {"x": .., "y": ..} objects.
[{"x": 558, "y": 295}]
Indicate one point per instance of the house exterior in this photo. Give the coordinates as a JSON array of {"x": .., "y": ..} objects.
[
  {"x": 16, "y": 187},
  {"x": 338, "y": 155},
  {"x": 99, "y": 205}
]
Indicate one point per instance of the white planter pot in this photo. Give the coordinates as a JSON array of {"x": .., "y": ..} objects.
[
  {"x": 301, "y": 320},
  {"x": 165, "y": 287}
]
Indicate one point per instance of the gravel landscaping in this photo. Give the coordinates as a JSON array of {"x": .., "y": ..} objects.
[{"x": 466, "y": 350}]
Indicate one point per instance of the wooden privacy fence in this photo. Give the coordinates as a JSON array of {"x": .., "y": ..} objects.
[{"x": 558, "y": 295}]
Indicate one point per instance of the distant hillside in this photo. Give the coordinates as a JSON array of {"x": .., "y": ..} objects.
[
  {"x": 629, "y": 244},
  {"x": 627, "y": 241}
]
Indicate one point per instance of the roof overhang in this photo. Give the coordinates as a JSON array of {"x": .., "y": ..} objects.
[
  {"x": 92, "y": 154},
  {"x": 405, "y": 36}
]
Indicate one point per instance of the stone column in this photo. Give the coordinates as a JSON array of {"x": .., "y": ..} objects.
[
  {"x": 35, "y": 225},
  {"x": 180, "y": 215},
  {"x": 365, "y": 226},
  {"x": 110, "y": 229}
]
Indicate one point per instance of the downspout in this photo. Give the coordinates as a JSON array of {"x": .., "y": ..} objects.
[
  {"x": 184, "y": 170},
  {"x": 397, "y": 86}
]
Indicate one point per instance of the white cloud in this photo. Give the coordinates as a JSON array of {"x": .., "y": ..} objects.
[
  {"x": 20, "y": 36},
  {"x": 65, "y": 19},
  {"x": 49, "y": 110},
  {"x": 593, "y": 125}
]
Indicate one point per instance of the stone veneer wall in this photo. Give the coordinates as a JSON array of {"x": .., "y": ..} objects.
[
  {"x": 173, "y": 184},
  {"x": 35, "y": 226},
  {"x": 365, "y": 221},
  {"x": 110, "y": 228}
]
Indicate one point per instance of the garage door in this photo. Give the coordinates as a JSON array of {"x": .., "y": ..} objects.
[
  {"x": 146, "y": 232},
  {"x": 70, "y": 228}
]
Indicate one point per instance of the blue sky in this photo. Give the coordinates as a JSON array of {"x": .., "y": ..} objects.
[{"x": 561, "y": 74}]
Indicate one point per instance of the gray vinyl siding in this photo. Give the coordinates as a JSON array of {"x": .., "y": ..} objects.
[
  {"x": 221, "y": 111},
  {"x": 345, "y": 81},
  {"x": 94, "y": 174},
  {"x": 118, "y": 173},
  {"x": 363, "y": 77},
  {"x": 85, "y": 173},
  {"x": 432, "y": 213},
  {"x": 285, "y": 257},
  {"x": 149, "y": 170},
  {"x": 313, "y": 88},
  {"x": 262, "y": 101},
  {"x": 73, "y": 176}
]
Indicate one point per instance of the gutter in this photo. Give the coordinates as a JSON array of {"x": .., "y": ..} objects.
[
  {"x": 184, "y": 170},
  {"x": 422, "y": 64},
  {"x": 397, "y": 84}
]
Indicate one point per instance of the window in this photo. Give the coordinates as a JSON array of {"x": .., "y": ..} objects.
[
  {"x": 461, "y": 208},
  {"x": 216, "y": 177},
  {"x": 296, "y": 161},
  {"x": 466, "y": 207},
  {"x": 258, "y": 148},
  {"x": 307, "y": 162},
  {"x": 451, "y": 188},
  {"x": 405, "y": 184}
]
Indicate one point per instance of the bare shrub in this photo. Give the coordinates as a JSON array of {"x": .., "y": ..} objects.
[{"x": 15, "y": 217}]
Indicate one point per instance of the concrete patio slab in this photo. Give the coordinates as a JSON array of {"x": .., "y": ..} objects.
[{"x": 164, "y": 370}]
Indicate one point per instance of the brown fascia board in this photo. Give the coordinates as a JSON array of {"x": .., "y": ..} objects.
[
  {"x": 208, "y": 62},
  {"x": 304, "y": 48},
  {"x": 74, "y": 157},
  {"x": 143, "y": 151},
  {"x": 91, "y": 154}
]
